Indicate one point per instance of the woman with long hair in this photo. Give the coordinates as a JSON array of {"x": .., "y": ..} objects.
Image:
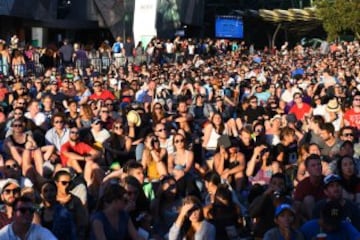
[
  {"x": 224, "y": 214},
  {"x": 190, "y": 223},
  {"x": 82, "y": 92},
  {"x": 86, "y": 116},
  {"x": 346, "y": 168},
  {"x": 181, "y": 156},
  {"x": 153, "y": 158},
  {"x": 158, "y": 113},
  {"x": 21, "y": 147},
  {"x": 260, "y": 168},
  {"x": 53, "y": 216},
  {"x": 111, "y": 221},
  {"x": 230, "y": 164},
  {"x": 118, "y": 146},
  {"x": 212, "y": 131}
]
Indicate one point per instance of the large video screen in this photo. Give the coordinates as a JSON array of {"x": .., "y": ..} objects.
[{"x": 229, "y": 27}]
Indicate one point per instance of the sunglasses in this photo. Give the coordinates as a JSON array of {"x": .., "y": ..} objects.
[
  {"x": 17, "y": 125},
  {"x": 105, "y": 111},
  {"x": 179, "y": 140},
  {"x": 18, "y": 113},
  {"x": 21, "y": 103},
  {"x": 97, "y": 85},
  {"x": 13, "y": 191},
  {"x": 65, "y": 183},
  {"x": 157, "y": 108},
  {"x": 118, "y": 127},
  {"x": 74, "y": 132},
  {"x": 14, "y": 166},
  {"x": 108, "y": 104},
  {"x": 161, "y": 130},
  {"x": 56, "y": 122},
  {"x": 348, "y": 135},
  {"x": 24, "y": 210}
]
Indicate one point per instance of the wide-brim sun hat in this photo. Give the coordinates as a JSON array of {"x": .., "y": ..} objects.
[
  {"x": 134, "y": 117},
  {"x": 333, "y": 105}
]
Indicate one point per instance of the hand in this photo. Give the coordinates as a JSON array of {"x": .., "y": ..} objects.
[
  {"x": 225, "y": 174},
  {"x": 131, "y": 124},
  {"x": 185, "y": 208},
  {"x": 258, "y": 149}
]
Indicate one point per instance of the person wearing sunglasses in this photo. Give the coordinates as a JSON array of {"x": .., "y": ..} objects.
[
  {"x": 53, "y": 215},
  {"x": 181, "y": 156},
  {"x": 10, "y": 191},
  {"x": 100, "y": 93},
  {"x": 118, "y": 145},
  {"x": 64, "y": 182},
  {"x": 82, "y": 157},
  {"x": 21, "y": 226}
]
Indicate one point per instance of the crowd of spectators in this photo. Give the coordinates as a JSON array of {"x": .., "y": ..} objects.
[{"x": 180, "y": 139}]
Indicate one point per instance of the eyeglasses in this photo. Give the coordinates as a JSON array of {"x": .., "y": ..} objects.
[
  {"x": 56, "y": 122},
  {"x": 14, "y": 166},
  {"x": 179, "y": 140},
  {"x": 17, "y": 126},
  {"x": 65, "y": 183},
  {"x": 74, "y": 132},
  {"x": 161, "y": 130},
  {"x": 24, "y": 210},
  {"x": 13, "y": 191},
  {"x": 348, "y": 135}
]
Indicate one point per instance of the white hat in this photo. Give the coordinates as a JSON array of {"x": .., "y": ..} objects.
[{"x": 5, "y": 182}]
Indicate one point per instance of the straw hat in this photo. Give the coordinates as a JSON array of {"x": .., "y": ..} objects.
[
  {"x": 134, "y": 117},
  {"x": 333, "y": 105}
]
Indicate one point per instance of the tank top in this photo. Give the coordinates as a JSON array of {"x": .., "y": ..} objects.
[
  {"x": 17, "y": 144},
  {"x": 152, "y": 171},
  {"x": 213, "y": 140},
  {"x": 121, "y": 233}
]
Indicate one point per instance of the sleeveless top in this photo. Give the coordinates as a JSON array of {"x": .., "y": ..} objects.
[
  {"x": 17, "y": 144},
  {"x": 186, "y": 159},
  {"x": 152, "y": 171},
  {"x": 213, "y": 140},
  {"x": 121, "y": 233}
]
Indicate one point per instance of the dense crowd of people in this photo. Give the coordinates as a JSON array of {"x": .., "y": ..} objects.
[{"x": 179, "y": 139}]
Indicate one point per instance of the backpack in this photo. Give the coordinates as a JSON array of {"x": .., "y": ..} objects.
[{"x": 116, "y": 47}]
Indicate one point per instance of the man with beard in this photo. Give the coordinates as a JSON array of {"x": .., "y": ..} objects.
[{"x": 10, "y": 191}]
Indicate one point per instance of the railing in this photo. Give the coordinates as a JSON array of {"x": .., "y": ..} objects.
[{"x": 101, "y": 64}]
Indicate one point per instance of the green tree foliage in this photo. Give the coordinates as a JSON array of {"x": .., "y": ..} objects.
[{"x": 339, "y": 16}]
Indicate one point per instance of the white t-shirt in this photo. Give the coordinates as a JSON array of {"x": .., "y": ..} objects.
[{"x": 36, "y": 232}]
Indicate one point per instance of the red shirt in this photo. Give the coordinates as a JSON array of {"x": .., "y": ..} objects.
[
  {"x": 306, "y": 188},
  {"x": 105, "y": 94},
  {"x": 300, "y": 112},
  {"x": 80, "y": 148},
  {"x": 352, "y": 118}
]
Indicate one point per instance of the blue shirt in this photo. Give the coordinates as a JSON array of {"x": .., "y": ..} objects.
[{"x": 346, "y": 231}]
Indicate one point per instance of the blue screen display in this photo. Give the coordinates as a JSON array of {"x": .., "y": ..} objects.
[{"x": 229, "y": 27}]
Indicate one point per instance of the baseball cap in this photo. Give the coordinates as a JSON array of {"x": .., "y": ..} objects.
[
  {"x": 331, "y": 178},
  {"x": 331, "y": 213},
  {"x": 282, "y": 207},
  {"x": 5, "y": 182}
]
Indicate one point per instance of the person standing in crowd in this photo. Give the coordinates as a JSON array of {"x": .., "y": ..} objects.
[{"x": 66, "y": 53}]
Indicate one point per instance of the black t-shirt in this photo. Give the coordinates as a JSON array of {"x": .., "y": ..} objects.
[
  {"x": 290, "y": 153},
  {"x": 254, "y": 113}
]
